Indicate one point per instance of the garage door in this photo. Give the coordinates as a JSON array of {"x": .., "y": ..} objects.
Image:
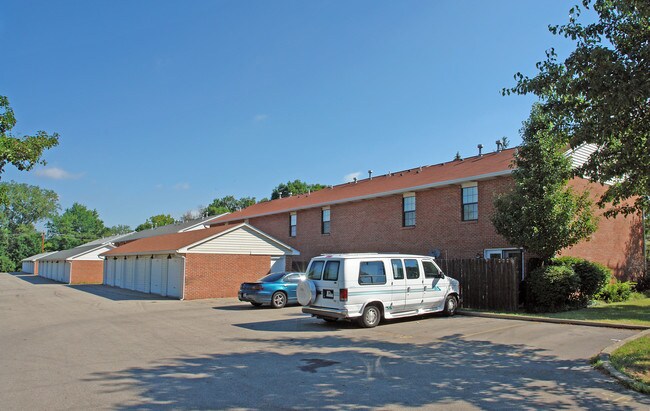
[
  {"x": 277, "y": 264},
  {"x": 129, "y": 267},
  {"x": 119, "y": 272},
  {"x": 175, "y": 277},
  {"x": 109, "y": 273},
  {"x": 141, "y": 275},
  {"x": 60, "y": 270},
  {"x": 157, "y": 277},
  {"x": 67, "y": 267}
]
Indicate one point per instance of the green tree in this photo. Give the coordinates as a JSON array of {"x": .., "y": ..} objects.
[
  {"x": 599, "y": 95},
  {"x": 77, "y": 225},
  {"x": 541, "y": 213},
  {"x": 158, "y": 220},
  {"x": 21, "y": 152},
  {"x": 294, "y": 187},
  {"x": 26, "y": 204},
  {"x": 228, "y": 204},
  {"x": 117, "y": 229}
]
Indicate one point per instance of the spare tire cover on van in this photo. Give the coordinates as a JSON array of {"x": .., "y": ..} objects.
[{"x": 306, "y": 292}]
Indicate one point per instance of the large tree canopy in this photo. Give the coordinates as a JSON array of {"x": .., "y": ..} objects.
[
  {"x": 77, "y": 225},
  {"x": 158, "y": 220},
  {"x": 542, "y": 214},
  {"x": 600, "y": 94},
  {"x": 294, "y": 187},
  {"x": 228, "y": 204},
  {"x": 21, "y": 152},
  {"x": 26, "y": 204}
]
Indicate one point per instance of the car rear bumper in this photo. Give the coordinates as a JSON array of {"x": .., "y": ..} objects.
[
  {"x": 324, "y": 312},
  {"x": 254, "y": 298}
]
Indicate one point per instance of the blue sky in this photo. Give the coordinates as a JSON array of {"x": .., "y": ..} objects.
[{"x": 164, "y": 105}]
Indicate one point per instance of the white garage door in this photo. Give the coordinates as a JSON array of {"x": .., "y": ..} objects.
[
  {"x": 60, "y": 270},
  {"x": 175, "y": 277},
  {"x": 110, "y": 272},
  {"x": 277, "y": 264},
  {"x": 67, "y": 267},
  {"x": 158, "y": 283},
  {"x": 129, "y": 267},
  {"x": 119, "y": 273},
  {"x": 141, "y": 275}
]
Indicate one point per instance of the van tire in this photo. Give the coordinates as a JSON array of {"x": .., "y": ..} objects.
[
  {"x": 451, "y": 305},
  {"x": 371, "y": 316}
]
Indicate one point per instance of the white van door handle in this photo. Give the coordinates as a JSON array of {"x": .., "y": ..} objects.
[
  {"x": 425, "y": 288},
  {"x": 408, "y": 289}
]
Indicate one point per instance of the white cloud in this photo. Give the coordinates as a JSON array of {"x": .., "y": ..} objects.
[
  {"x": 182, "y": 186},
  {"x": 260, "y": 117},
  {"x": 350, "y": 177},
  {"x": 56, "y": 173}
]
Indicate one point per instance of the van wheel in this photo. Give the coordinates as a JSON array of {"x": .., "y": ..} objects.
[
  {"x": 371, "y": 316},
  {"x": 278, "y": 299},
  {"x": 451, "y": 305}
]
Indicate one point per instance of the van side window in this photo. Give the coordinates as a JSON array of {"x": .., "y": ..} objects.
[
  {"x": 398, "y": 269},
  {"x": 372, "y": 272},
  {"x": 412, "y": 269},
  {"x": 315, "y": 270},
  {"x": 331, "y": 272},
  {"x": 430, "y": 270}
]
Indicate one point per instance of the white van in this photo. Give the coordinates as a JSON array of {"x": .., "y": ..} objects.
[{"x": 369, "y": 287}]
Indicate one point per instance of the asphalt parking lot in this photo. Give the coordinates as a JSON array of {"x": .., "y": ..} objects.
[{"x": 80, "y": 347}]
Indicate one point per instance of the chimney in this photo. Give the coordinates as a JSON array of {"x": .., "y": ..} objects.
[
  {"x": 498, "y": 145},
  {"x": 370, "y": 174},
  {"x": 480, "y": 148}
]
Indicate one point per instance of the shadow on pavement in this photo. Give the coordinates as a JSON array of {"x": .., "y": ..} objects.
[
  {"x": 35, "y": 279},
  {"x": 117, "y": 294},
  {"x": 348, "y": 373},
  {"x": 248, "y": 307}
]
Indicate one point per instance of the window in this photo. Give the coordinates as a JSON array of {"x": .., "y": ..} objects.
[
  {"x": 293, "y": 221},
  {"x": 430, "y": 270},
  {"x": 408, "y": 218},
  {"x": 372, "y": 272},
  {"x": 315, "y": 270},
  {"x": 325, "y": 221},
  {"x": 470, "y": 203},
  {"x": 292, "y": 278},
  {"x": 412, "y": 269},
  {"x": 331, "y": 272},
  {"x": 398, "y": 269}
]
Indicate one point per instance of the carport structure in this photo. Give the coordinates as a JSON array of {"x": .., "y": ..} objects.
[
  {"x": 30, "y": 264},
  {"x": 208, "y": 263}
]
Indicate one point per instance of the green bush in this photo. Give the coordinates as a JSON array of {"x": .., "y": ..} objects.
[
  {"x": 552, "y": 288},
  {"x": 6, "y": 265},
  {"x": 593, "y": 276},
  {"x": 616, "y": 293}
]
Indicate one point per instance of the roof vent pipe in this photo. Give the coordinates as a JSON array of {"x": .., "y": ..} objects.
[
  {"x": 370, "y": 174},
  {"x": 480, "y": 147},
  {"x": 499, "y": 146},
  {"x": 355, "y": 180}
]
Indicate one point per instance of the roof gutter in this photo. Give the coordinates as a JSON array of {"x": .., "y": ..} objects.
[{"x": 382, "y": 194}]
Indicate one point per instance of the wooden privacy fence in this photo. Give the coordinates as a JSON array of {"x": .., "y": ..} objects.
[{"x": 485, "y": 284}]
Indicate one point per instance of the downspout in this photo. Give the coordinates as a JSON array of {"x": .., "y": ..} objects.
[{"x": 183, "y": 285}]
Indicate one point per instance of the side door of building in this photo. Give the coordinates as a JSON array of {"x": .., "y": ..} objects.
[
  {"x": 398, "y": 286},
  {"x": 414, "y": 284},
  {"x": 435, "y": 285}
]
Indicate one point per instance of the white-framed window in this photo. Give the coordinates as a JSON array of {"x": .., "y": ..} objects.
[
  {"x": 325, "y": 220},
  {"x": 469, "y": 198},
  {"x": 408, "y": 210},
  {"x": 293, "y": 223}
]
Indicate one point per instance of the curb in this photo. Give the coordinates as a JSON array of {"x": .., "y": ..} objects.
[
  {"x": 616, "y": 374},
  {"x": 553, "y": 320}
]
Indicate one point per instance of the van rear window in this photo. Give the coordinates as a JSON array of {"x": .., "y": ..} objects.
[
  {"x": 331, "y": 272},
  {"x": 315, "y": 270},
  {"x": 372, "y": 272}
]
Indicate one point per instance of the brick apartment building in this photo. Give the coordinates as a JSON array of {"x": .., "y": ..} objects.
[{"x": 442, "y": 210}]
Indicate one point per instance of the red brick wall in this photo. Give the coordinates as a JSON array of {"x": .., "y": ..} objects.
[
  {"x": 220, "y": 275},
  {"x": 87, "y": 272},
  {"x": 375, "y": 225},
  {"x": 618, "y": 242}
]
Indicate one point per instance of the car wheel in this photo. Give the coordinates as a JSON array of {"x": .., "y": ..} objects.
[
  {"x": 278, "y": 299},
  {"x": 256, "y": 304},
  {"x": 451, "y": 305},
  {"x": 371, "y": 316}
]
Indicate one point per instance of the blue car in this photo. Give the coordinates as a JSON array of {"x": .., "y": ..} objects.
[{"x": 276, "y": 289}]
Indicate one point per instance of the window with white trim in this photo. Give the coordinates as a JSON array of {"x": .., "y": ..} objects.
[
  {"x": 469, "y": 194},
  {"x": 408, "y": 210},
  {"x": 293, "y": 222},
  {"x": 325, "y": 221}
]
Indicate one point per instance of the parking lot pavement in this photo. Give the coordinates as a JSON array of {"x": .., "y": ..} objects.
[{"x": 82, "y": 347}]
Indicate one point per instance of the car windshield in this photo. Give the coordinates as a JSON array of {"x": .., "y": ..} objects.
[{"x": 271, "y": 278}]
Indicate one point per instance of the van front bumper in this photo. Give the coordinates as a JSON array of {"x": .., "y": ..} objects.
[{"x": 324, "y": 312}]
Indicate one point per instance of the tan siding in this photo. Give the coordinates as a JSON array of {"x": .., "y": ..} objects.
[{"x": 241, "y": 241}]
